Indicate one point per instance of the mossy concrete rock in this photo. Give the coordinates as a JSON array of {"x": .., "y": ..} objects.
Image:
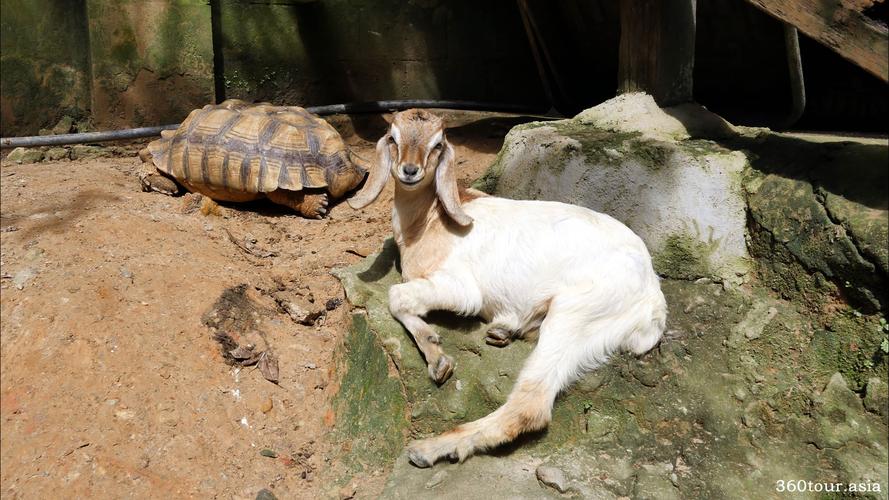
[
  {"x": 812, "y": 211},
  {"x": 635, "y": 162},
  {"x": 56, "y": 154},
  {"x": 818, "y": 217},
  {"x": 709, "y": 413},
  {"x": 25, "y": 155},
  {"x": 876, "y": 398}
]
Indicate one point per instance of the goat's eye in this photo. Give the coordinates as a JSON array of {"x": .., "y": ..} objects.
[
  {"x": 391, "y": 140},
  {"x": 437, "y": 147}
]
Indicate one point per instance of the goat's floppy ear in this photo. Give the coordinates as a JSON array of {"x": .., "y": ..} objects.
[
  {"x": 446, "y": 187},
  {"x": 377, "y": 178}
]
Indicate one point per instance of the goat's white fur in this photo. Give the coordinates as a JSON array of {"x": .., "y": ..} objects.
[{"x": 583, "y": 278}]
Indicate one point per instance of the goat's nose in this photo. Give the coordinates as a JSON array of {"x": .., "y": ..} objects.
[{"x": 411, "y": 169}]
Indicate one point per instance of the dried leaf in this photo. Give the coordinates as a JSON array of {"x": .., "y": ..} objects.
[{"x": 268, "y": 365}]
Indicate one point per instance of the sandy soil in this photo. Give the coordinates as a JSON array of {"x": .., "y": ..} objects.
[{"x": 112, "y": 383}]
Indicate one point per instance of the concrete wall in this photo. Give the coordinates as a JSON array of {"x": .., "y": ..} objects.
[
  {"x": 151, "y": 60},
  {"x": 44, "y": 57},
  {"x": 146, "y": 62}
]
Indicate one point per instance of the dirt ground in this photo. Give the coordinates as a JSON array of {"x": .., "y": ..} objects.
[{"x": 113, "y": 385}]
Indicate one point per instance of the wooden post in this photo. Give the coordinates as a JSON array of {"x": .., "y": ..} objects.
[{"x": 657, "y": 49}]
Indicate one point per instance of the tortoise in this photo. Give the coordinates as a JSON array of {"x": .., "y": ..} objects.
[{"x": 235, "y": 151}]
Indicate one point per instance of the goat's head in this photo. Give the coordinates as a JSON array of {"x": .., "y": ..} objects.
[{"x": 417, "y": 155}]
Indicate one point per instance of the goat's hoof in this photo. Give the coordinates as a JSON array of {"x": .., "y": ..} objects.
[
  {"x": 442, "y": 370},
  {"x": 418, "y": 459},
  {"x": 499, "y": 336}
]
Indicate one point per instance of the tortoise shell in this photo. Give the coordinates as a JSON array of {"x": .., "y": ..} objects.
[{"x": 239, "y": 147}]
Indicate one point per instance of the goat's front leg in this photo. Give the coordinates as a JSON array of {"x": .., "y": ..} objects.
[{"x": 409, "y": 301}]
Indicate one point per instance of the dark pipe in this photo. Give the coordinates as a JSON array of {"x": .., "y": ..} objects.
[
  {"x": 61, "y": 139},
  {"x": 354, "y": 107},
  {"x": 795, "y": 69}
]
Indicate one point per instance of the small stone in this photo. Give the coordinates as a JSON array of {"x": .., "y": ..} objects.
[
  {"x": 552, "y": 477},
  {"x": 126, "y": 273},
  {"x": 600, "y": 427},
  {"x": 266, "y": 405},
  {"x": 300, "y": 314},
  {"x": 311, "y": 366},
  {"x": 63, "y": 126},
  {"x": 436, "y": 479},
  {"x": 191, "y": 203},
  {"x": 348, "y": 491},
  {"x": 268, "y": 453},
  {"x": 25, "y": 155},
  {"x": 332, "y": 304},
  {"x": 55, "y": 154},
  {"x": 124, "y": 414},
  {"x": 740, "y": 394},
  {"x": 654, "y": 482},
  {"x": 753, "y": 324},
  {"x": 265, "y": 494},
  {"x": 22, "y": 277},
  {"x": 876, "y": 397},
  {"x": 83, "y": 152}
]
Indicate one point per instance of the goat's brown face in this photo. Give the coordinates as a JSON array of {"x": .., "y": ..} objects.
[{"x": 416, "y": 144}]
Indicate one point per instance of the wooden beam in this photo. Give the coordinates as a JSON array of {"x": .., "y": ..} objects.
[
  {"x": 657, "y": 49},
  {"x": 839, "y": 25}
]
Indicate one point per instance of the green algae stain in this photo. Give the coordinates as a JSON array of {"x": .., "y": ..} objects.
[
  {"x": 682, "y": 257},
  {"x": 371, "y": 410}
]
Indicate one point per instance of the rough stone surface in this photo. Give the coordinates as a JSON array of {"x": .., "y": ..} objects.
[
  {"x": 25, "y": 155},
  {"x": 812, "y": 210},
  {"x": 56, "y": 154},
  {"x": 667, "y": 425},
  {"x": 818, "y": 213},
  {"x": 371, "y": 408},
  {"x": 632, "y": 160},
  {"x": 876, "y": 398},
  {"x": 44, "y": 52},
  {"x": 552, "y": 477},
  {"x": 151, "y": 61},
  {"x": 638, "y": 112},
  {"x": 84, "y": 152}
]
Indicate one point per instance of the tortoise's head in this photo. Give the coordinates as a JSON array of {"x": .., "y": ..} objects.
[{"x": 416, "y": 153}]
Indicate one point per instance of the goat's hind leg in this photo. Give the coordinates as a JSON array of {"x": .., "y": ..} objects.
[
  {"x": 409, "y": 301},
  {"x": 571, "y": 340}
]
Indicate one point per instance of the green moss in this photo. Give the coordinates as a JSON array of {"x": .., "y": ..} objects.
[
  {"x": 802, "y": 252},
  {"x": 371, "y": 411},
  {"x": 488, "y": 181},
  {"x": 727, "y": 408},
  {"x": 851, "y": 345},
  {"x": 682, "y": 257}
]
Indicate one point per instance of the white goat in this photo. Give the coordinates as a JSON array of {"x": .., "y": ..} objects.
[{"x": 581, "y": 278}]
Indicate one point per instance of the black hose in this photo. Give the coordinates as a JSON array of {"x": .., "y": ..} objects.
[{"x": 353, "y": 107}]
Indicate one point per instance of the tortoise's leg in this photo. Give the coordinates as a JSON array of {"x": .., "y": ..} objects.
[
  {"x": 152, "y": 179},
  {"x": 309, "y": 204}
]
